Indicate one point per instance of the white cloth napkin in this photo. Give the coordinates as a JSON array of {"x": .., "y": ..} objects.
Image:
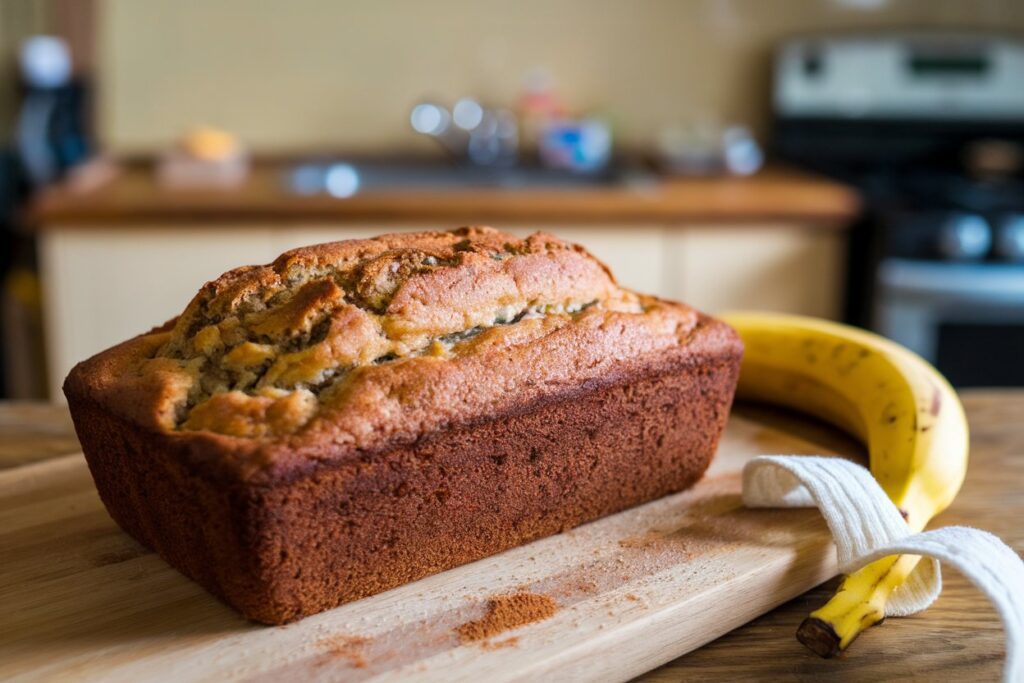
[{"x": 867, "y": 526}]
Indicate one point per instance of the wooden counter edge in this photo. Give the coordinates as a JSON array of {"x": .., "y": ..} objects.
[{"x": 776, "y": 194}]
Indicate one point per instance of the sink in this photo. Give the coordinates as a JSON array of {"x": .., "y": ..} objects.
[{"x": 347, "y": 178}]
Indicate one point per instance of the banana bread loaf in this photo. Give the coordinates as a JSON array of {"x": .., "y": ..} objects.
[{"x": 360, "y": 414}]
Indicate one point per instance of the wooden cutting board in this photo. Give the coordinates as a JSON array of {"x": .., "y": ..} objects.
[{"x": 80, "y": 600}]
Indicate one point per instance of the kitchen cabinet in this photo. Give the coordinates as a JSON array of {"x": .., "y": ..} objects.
[
  {"x": 105, "y": 284},
  {"x": 771, "y": 266}
]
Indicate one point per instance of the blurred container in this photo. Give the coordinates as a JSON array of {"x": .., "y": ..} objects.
[
  {"x": 204, "y": 158},
  {"x": 469, "y": 131},
  {"x": 539, "y": 106},
  {"x": 583, "y": 146},
  {"x": 708, "y": 150}
]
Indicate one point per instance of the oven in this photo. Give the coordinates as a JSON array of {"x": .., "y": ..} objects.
[
  {"x": 930, "y": 128},
  {"x": 966, "y": 318}
]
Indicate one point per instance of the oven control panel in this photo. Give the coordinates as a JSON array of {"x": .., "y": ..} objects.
[{"x": 936, "y": 76}]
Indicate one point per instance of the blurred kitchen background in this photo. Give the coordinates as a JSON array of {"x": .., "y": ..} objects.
[{"x": 861, "y": 160}]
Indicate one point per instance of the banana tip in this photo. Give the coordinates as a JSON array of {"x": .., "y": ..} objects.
[{"x": 819, "y": 637}]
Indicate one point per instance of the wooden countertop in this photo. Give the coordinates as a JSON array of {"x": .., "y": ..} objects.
[
  {"x": 959, "y": 638},
  {"x": 132, "y": 197}
]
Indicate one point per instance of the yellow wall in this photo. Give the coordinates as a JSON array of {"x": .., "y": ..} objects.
[{"x": 307, "y": 74}]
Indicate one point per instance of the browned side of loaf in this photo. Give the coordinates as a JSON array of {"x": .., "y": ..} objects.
[{"x": 283, "y": 551}]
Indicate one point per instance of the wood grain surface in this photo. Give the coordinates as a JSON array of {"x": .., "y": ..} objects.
[
  {"x": 83, "y": 600},
  {"x": 133, "y": 197},
  {"x": 32, "y": 431},
  {"x": 960, "y": 638}
]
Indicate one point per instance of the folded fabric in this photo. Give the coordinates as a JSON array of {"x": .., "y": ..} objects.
[{"x": 867, "y": 526}]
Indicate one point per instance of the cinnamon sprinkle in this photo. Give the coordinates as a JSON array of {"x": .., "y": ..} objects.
[
  {"x": 346, "y": 647},
  {"x": 508, "y": 642},
  {"x": 505, "y": 612}
]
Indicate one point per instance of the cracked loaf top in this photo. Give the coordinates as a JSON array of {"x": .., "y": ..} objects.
[{"x": 364, "y": 341}]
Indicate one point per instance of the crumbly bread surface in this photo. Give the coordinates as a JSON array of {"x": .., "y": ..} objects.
[{"x": 362, "y": 342}]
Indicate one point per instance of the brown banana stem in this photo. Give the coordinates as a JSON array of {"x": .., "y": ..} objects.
[{"x": 819, "y": 637}]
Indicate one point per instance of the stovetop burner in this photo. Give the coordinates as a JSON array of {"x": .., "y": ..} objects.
[{"x": 928, "y": 189}]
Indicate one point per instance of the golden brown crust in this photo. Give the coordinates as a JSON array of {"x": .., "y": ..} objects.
[
  {"x": 365, "y": 342},
  {"x": 353, "y": 417}
]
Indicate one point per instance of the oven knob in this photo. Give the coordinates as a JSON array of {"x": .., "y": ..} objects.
[
  {"x": 1010, "y": 238},
  {"x": 964, "y": 237}
]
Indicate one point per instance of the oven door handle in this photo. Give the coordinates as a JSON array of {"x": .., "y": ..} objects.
[{"x": 987, "y": 283}]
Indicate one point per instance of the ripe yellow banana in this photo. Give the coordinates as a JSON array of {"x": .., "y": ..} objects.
[{"x": 903, "y": 410}]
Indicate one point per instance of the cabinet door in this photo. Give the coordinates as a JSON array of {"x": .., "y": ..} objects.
[
  {"x": 788, "y": 268},
  {"x": 102, "y": 286}
]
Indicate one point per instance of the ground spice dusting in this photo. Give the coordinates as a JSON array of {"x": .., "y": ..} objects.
[
  {"x": 643, "y": 541},
  {"x": 501, "y": 644},
  {"x": 346, "y": 647},
  {"x": 505, "y": 612}
]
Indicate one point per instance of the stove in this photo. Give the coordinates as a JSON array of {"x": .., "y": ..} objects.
[{"x": 930, "y": 128}]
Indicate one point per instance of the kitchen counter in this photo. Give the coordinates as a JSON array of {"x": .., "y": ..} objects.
[
  {"x": 959, "y": 638},
  {"x": 132, "y": 197}
]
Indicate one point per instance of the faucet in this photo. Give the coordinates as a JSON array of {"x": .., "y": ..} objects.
[{"x": 470, "y": 132}]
